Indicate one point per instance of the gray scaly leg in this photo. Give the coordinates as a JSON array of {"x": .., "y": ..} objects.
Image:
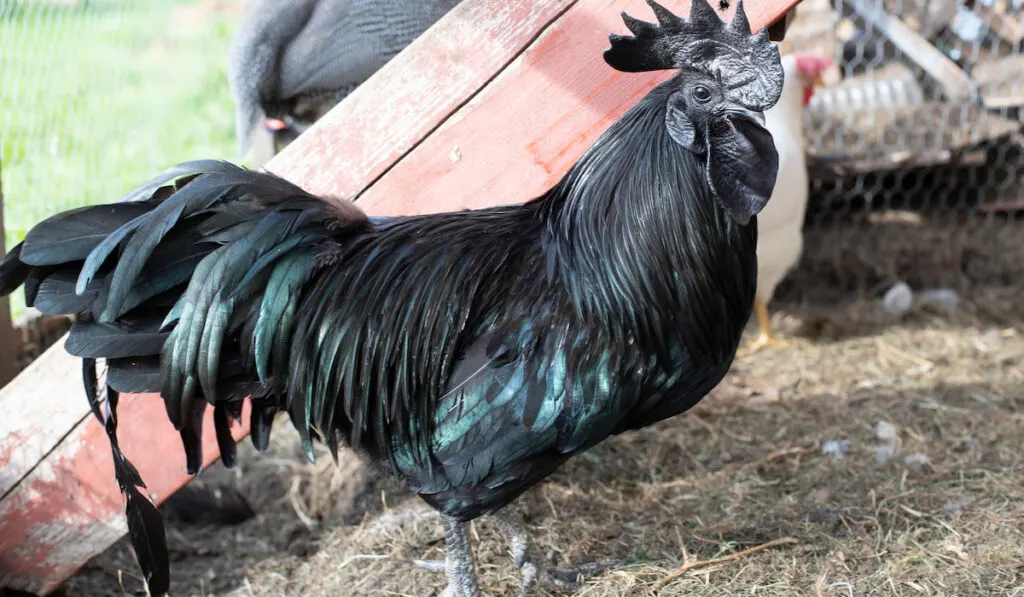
[
  {"x": 459, "y": 561},
  {"x": 532, "y": 568}
]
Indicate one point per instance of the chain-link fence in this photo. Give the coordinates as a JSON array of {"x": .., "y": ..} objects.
[{"x": 915, "y": 150}]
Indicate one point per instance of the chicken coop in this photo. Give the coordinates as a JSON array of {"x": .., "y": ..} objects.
[
  {"x": 876, "y": 452},
  {"x": 914, "y": 149}
]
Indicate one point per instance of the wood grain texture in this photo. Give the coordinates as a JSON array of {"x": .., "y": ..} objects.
[
  {"x": 358, "y": 140},
  {"x": 69, "y": 508},
  {"x": 524, "y": 92},
  {"x": 437, "y": 81},
  {"x": 8, "y": 339},
  {"x": 35, "y": 421}
]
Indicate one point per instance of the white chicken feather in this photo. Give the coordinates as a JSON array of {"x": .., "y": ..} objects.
[{"x": 780, "y": 223}]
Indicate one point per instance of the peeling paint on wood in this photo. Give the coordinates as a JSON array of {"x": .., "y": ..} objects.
[
  {"x": 520, "y": 134},
  {"x": 403, "y": 102},
  {"x": 69, "y": 507},
  {"x": 40, "y": 405}
]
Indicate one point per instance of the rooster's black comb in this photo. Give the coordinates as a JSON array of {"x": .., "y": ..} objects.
[{"x": 748, "y": 64}]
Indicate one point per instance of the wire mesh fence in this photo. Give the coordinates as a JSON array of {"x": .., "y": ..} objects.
[
  {"x": 915, "y": 150},
  {"x": 97, "y": 95}
]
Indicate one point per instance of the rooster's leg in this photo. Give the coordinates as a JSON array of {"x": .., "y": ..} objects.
[
  {"x": 766, "y": 337},
  {"x": 459, "y": 562},
  {"x": 533, "y": 570}
]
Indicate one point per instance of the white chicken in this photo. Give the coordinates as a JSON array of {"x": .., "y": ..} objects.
[{"x": 780, "y": 223}]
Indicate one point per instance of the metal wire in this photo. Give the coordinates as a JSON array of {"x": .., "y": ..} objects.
[
  {"x": 97, "y": 95},
  {"x": 915, "y": 177}
]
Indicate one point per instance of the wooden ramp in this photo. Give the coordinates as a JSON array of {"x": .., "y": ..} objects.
[{"x": 489, "y": 106}]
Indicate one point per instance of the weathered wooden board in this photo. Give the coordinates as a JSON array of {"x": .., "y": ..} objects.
[
  {"x": 560, "y": 77},
  {"x": 412, "y": 94},
  {"x": 519, "y": 87},
  {"x": 7, "y": 338},
  {"x": 31, "y": 428},
  {"x": 68, "y": 507},
  {"x": 956, "y": 84},
  {"x": 518, "y": 137}
]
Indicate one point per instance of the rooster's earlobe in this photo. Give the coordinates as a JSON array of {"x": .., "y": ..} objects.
[{"x": 681, "y": 127}]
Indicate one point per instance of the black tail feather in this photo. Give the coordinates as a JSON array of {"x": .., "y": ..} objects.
[
  {"x": 125, "y": 338},
  {"x": 260, "y": 422},
  {"x": 72, "y": 235},
  {"x": 34, "y": 281},
  {"x": 13, "y": 271},
  {"x": 56, "y": 293},
  {"x": 222, "y": 424},
  {"x": 190, "y": 286},
  {"x": 134, "y": 375},
  {"x": 145, "y": 525}
]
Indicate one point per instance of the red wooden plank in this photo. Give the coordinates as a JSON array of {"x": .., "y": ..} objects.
[
  {"x": 69, "y": 507},
  {"x": 514, "y": 139},
  {"x": 33, "y": 422},
  {"x": 404, "y": 101},
  {"x": 520, "y": 135}
]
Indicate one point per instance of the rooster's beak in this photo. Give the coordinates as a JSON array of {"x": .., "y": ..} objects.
[{"x": 737, "y": 111}]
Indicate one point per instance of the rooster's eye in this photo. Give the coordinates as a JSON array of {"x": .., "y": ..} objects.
[{"x": 701, "y": 93}]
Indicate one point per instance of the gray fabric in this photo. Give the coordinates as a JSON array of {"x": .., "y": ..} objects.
[{"x": 288, "y": 49}]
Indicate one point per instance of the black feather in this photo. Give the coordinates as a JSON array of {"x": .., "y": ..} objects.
[
  {"x": 134, "y": 375},
  {"x": 91, "y": 385},
  {"x": 71, "y": 235},
  {"x": 56, "y": 293},
  {"x": 126, "y": 338},
  {"x": 13, "y": 271},
  {"x": 146, "y": 531},
  {"x": 222, "y": 425},
  {"x": 34, "y": 281},
  {"x": 261, "y": 420},
  {"x": 145, "y": 525},
  {"x": 192, "y": 437}
]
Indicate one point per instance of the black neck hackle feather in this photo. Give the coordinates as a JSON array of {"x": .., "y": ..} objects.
[
  {"x": 615, "y": 229},
  {"x": 469, "y": 353}
]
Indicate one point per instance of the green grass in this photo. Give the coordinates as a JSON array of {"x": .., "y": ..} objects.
[{"x": 97, "y": 98}]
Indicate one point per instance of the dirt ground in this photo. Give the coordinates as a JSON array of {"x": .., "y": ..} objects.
[{"x": 876, "y": 456}]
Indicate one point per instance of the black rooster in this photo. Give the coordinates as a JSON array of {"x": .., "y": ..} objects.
[{"x": 469, "y": 353}]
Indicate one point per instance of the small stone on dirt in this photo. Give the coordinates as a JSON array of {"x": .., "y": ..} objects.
[
  {"x": 898, "y": 300},
  {"x": 916, "y": 460},
  {"x": 886, "y": 431},
  {"x": 836, "y": 448}
]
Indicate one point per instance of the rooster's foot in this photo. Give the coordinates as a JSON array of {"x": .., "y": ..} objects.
[
  {"x": 458, "y": 565},
  {"x": 567, "y": 577},
  {"x": 763, "y": 341}
]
